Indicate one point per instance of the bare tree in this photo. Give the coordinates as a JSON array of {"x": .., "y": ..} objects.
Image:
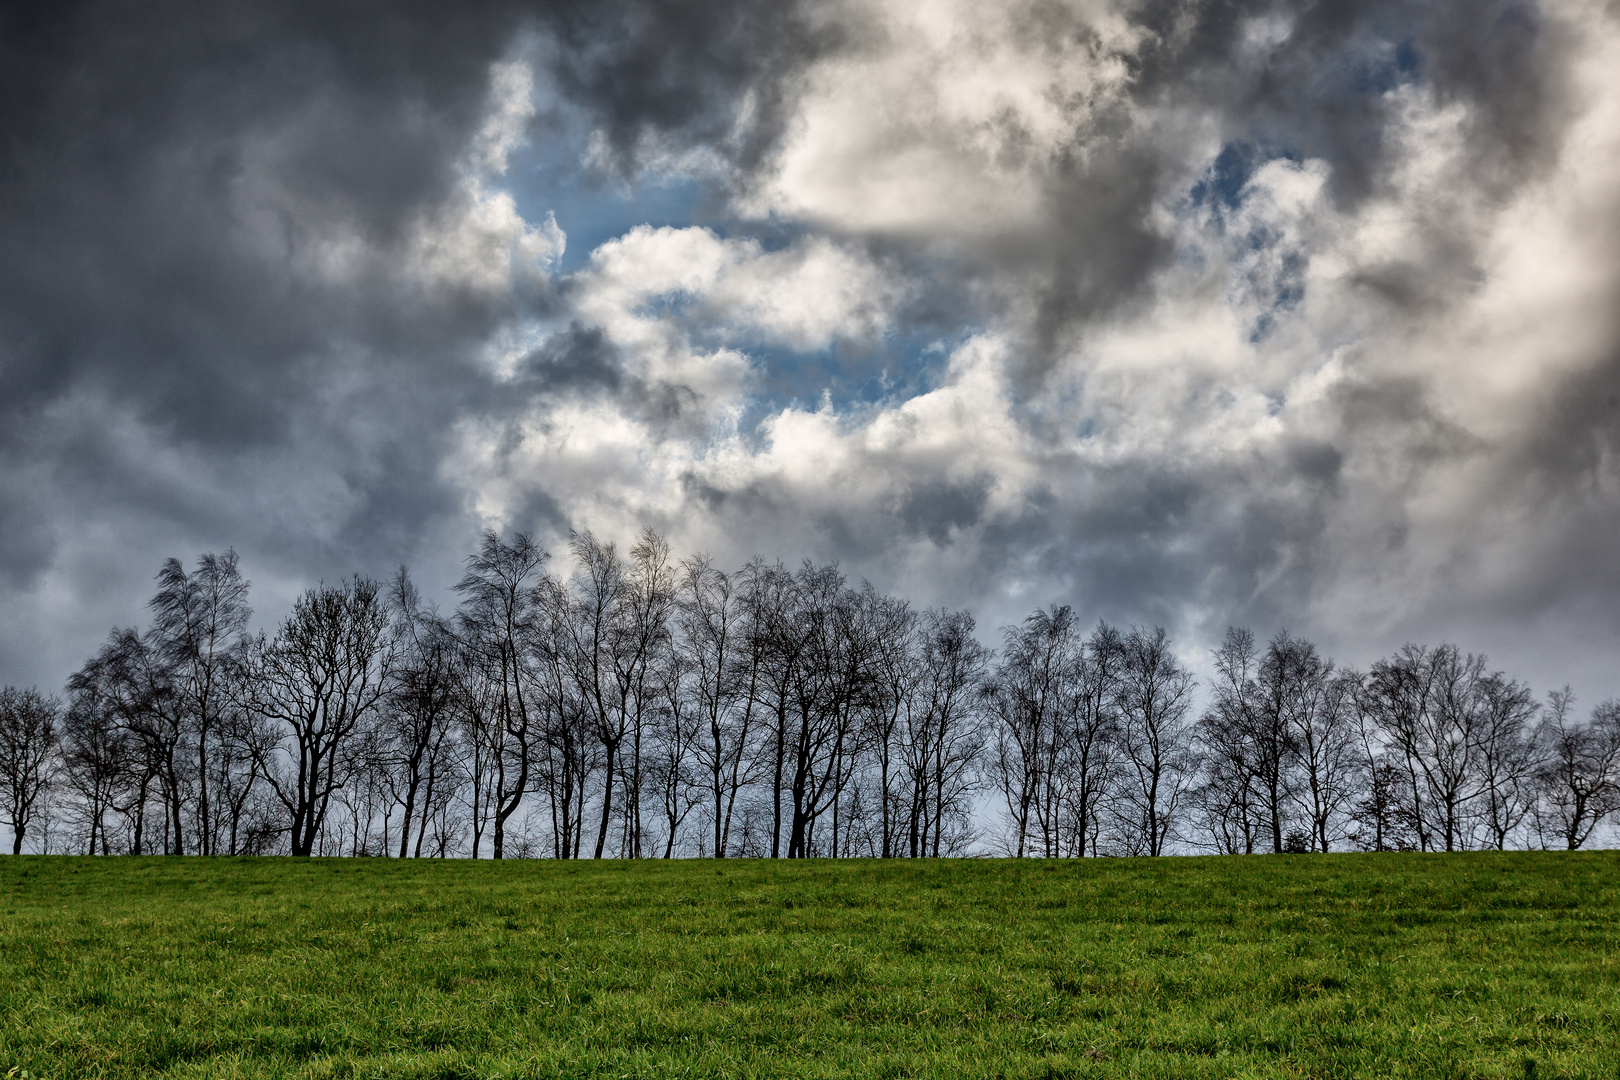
[
  {"x": 679, "y": 726},
  {"x": 1508, "y": 756},
  {"x": 1322, "y": 714},
  {"x": 417, "y": 723},
  {"x": 325, "y": 673},
  {"x": 723, "y": 679},
  {"x": 497, "y": 621},
  {"x": 895, "y": 676},
  {"x": 235, "y": 780},
  {"x": 29, "y": 734},
  {"x": 1435, "y": 707},
  {"x": 829, "y": 690},
  {"x": 198, "y": 621},
  {"x": 650, "y": 600},
  {"x": 1027, "y": 698},
  {"x": 1155, "y": 694},
  {"x": 1289, "y": 673},
  {"x": 944, "y": 732},
  {"x": 777, "y": 644},
  {"x": 568, "y": 759},
  {"x": 617, "y": 625},
  {"x": 98, "y": 761},
  {"x": 1228, "y": 800},
  {"x": 1580, "y": 778},
  {"x": 131, "y": 676}
]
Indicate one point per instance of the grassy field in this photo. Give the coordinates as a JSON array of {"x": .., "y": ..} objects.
[{"x": 1478, "y": 965}]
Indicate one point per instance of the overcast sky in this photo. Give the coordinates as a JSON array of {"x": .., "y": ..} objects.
[{"x": 1187, "y": 313}]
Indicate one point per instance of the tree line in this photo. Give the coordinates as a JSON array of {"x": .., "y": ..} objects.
[{"x": 648, "y": 706}]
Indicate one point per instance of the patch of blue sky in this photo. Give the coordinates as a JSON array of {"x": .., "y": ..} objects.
[
  {"x": 592, "y": 208},
  {"x": 552, "y": 172},
  {"x": 851, "y": 379},
  {"x": 1221, "y": 186}
]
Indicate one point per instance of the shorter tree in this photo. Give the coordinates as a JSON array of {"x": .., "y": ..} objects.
[
  {"x": 99, "y": 762},
  {"x": 28, "y": 739},
  {"x": 1580, "y": 779}
]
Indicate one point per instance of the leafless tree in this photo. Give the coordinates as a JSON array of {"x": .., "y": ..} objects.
[
  {"x": 944, "y": 731},
  {"x": 672, "y": 707},
  {"x": 367, "y": 797},
  {"x": 776, "y": 647},
  {"x": 29, "y": 733},
  {"x": 618, "y": 616},
  {"x": 235, "y": 780},
  {"x": 1289, "y": 673},
  {"x": 677, "y": 730},
  {"x": 198, "y": 623},
  {"x": 1508, "y": 754},
  {"x": 99, "y": 763},
  {"x": 1091, "y": 728},
  {"x": 325, "y": 674},
  {"x": 497, "y": 619},
  {"x": 830, "y": 689},
  {"x": 895, "y": 677},
  {"x": 723, "y": 680},
  {"x": 1155, "y": 694},
  {"x": 650, "y": 602},
  {"x": 131, "y": 676},
  {"x": 1455, "y": 726},
  {"x": 1322, "y": 714},
  {"x": 1580, "y": 777},
  {"x": 1026, "y": 697},
  {"x": 418, "y": 721},
  {"x": 1228, "y": 799},
  {"x": 481, "y": 730},
  {"x": 568, "y": 756}
]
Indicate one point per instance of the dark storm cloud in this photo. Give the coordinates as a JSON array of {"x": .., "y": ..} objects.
[
  {"x": 168, "y": 171},
  {"x": 130, "y": 129},
  {"x": 679, "y": 71}
]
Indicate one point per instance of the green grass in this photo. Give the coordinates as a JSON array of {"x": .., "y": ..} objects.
[{"x": 1478, "y": 965}]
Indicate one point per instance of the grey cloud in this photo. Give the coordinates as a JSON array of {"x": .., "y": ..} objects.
[
  {"x": 580, "y": 357},
  {"x": 678, "y": 71},
  {"x": 934, "y": 508},
  {"x": 173, "y": 373},
  {"x": 1317, "y": 94}
]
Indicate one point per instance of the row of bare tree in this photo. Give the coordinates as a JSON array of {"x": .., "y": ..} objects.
[
  {"x": 647, "y": 706},
  {"x": 1097, "y": 749}
]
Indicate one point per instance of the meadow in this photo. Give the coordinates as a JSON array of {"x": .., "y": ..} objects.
[{"x": 1392, "y": 965}]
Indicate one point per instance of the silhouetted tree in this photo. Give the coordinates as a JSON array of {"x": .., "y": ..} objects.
[
  {"x": 944, "y": 731},
  {"x": 325, "y": 674},
  {"x": 1026, "y": 697},
  {"x": 497, "y": 620},
  {"x": 29, "y": 732},
  {"x": 1580, "y": 777},
  {"x": 1154, "y": 697},
  {"x": 99, "y": 763},
  {"x": 198, "y": 623},
  {"x": 723, "y": 676}
]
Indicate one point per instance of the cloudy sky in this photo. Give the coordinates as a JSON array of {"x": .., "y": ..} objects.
[{"x": 1191, "y": 313}]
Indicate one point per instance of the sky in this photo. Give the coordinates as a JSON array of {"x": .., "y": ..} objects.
[{"x": 1191, "y": 314}]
